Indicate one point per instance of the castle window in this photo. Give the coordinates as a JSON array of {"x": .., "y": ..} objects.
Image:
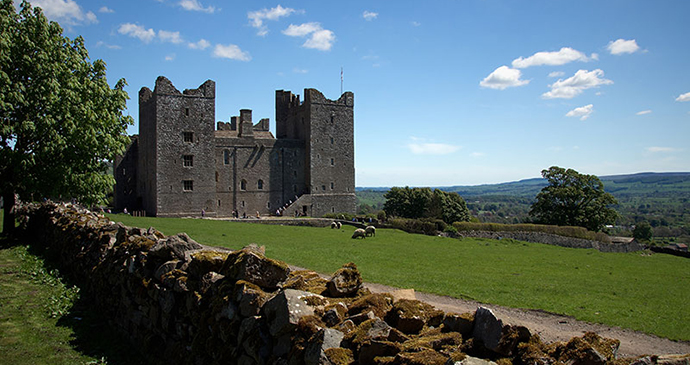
[
  {"x": 260, "y": 184},
  {"x": 332, "y": 117},
  {"x": 187, "y": 185},
  {"x": 268, "y": 205},
  {"x": 243, "y": 185},
  {"x": 124, "y": 171},
  {"x": 226, "y": 157},
  {"x": 216, "y": 176},
  {"x": 332, "y": 185},
  {"x": 323, "y": 187},
  {"x": 332, "y": 162},
  {"x": 188, "y": 137},
  {"x": 331, "y": 140},
  {"x": 188, "y": 160},
  {"x": 242, "y": 203},
  {"x": 186, "y": 111},
  {"x": 218, "y": 202}
]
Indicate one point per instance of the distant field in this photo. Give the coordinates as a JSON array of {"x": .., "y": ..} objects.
[{"x": 641, "y": 292}]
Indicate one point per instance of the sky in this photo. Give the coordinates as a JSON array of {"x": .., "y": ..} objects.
[{"x": 447, "y": 92}]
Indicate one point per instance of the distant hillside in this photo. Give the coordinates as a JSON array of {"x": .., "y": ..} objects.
[{"x": 663, "y": 199}]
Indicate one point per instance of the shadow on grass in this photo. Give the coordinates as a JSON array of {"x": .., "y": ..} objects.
[{"x": 93, "y": 335}]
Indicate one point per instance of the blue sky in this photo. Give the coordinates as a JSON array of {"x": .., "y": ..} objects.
[{"x": 448, "y": 92}]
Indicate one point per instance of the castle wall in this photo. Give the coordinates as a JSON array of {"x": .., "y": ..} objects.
[{"x": 125, "y": 170}]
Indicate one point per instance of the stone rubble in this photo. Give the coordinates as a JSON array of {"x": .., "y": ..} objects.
[{"x": 181, "y": 302}]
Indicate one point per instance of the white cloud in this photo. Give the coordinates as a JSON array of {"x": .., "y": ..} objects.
[
  {"x": 232, "y": 52},
  {"x": 65, "y": 11},
  {"x": 661, "y": 149},
  {"x": 644, "y": 112},
  {"x": 137, "y": 31},
  {"x": 561, "y": 57},
  {"x": 369, "y": 15},
  {"x": 573, "y": 86},
  {"x": 621, "y": 46},
  {"x": 106, "y": 10},
  {"x": 106, "y": 45},
  {"x": 556, "y": 74},
  {"x": 683, "y": 97},
  {"x": 477, "y": 154},
  {"x": 416, "y": 24},
  {"x": 172, "y": 37},
  {"x": 582, "y": 112},
  {"x": 195, "y": 5},
  {"x": 502, "y": 78},
  {"x": 202, "y": 44},
  {"x": 300, "y": 70},
  {"x": 257, "y": 17},
  {"x": 319, "y": 38},
  {"x": 421, "y": 148},
  {"x": 170, "y": 57}
]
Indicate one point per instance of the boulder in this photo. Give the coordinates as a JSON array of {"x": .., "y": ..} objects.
[
  {"x": 255, "y": 268},
  {"x": 173, "y": 247},
  {"x": 469, "y": 360},
  {"x": 345, "y": 282},
  {"x": 410, "y": 316},
  {"x": 462, "y": 323},
  {"x": 494, "y": 335},
  {"x": 284, "y": 310},
  {"x": 315, "y": 351},
  {"x": 249, "y": 297},
  {"x": 203, "y": 261}
]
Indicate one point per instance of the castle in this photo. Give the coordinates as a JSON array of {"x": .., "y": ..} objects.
[{"x": 180, "y": 165}]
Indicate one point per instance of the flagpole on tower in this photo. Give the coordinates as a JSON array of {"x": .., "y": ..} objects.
[{"x": 341, "y": 80}]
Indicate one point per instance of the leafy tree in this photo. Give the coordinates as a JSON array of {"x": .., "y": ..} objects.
[
  {"x": 573, "y": 199},
  {"x": 60, "y": 122},
  {"x": 642, "y": 231},
  {"x": 424, "y": 203}
]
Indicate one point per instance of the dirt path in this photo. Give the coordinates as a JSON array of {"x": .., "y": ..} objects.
[{"x": 551, "y": 327}]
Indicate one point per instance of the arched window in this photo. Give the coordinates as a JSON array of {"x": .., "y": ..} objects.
[
  {"x": 243, "y": 185},
  {"x": 260, "y": 184},
  {"x": 226, "y": 157}
]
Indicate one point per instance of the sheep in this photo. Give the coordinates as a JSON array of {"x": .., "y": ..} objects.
[
  {"x": 359, "y": 233},
  {"x": 340, "y": 225},
  {"x": 334, "y": 225},
  {"x": 370, "y": 231}
]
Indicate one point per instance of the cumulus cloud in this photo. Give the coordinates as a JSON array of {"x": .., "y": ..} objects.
[
  {"x": 503, "y": 78},
  {"x": 202, "y": 44},
  {"x": 419, "y": 147},
  {"x": 108, "y": 46},
  {"x": 171, "y": 37},
  {"x": 106, "y": 10},
  {"x": 582, "y": 112},
  {"x": 643, "y": 112},
  {"x": 232, "y": 52},
  {"x": 369, "y": 15},
  {"x": 574, "y": 86},
  {"x": 319, "y": 38},
  {"x": 621, "y": 46},
  {"x": 561, "y": 57},
  {"x": 137, "y": 31},
  {"x": 257, "y": 17},
  {"x": 683, "y": 97},
  {"x": 65, "y": 11},
  {"x": 300, "y": 70},
  {"x": 661, "y": 149},
  {"x": 556, "y": 74},
  {"x": 170, "y": 57},
  {"x": 195, "y": 5}
]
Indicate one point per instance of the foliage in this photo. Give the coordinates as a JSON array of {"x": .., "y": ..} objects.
[
  {"x": 573, "y": 199},
  {"x": 61, "y": 122},
  {"x": 575, "y": 232},
  {"x": 642, "y": 231},
  {"x": 631, "y": 290},
  {"x": 424, "y": 203}
]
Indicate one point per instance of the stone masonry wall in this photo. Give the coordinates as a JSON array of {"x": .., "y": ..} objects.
[
  {"x": 181, "y": 302},
  {"x": 552, "y": 239}
]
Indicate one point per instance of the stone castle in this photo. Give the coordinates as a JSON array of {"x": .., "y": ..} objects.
[{"x": 180, "y": 165}]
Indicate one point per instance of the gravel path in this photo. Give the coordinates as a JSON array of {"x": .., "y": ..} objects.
[{"x": 552, "y": 327}]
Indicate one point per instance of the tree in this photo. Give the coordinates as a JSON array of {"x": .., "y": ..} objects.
[
  {"x": 642, "y": 231},
  {"x": 60, "y": 122},
  {"x": 424, "y": 203},
  {"x": 573, "y": 199}
]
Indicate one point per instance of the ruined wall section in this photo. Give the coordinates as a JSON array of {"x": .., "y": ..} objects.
[
  {"x": 147, "y": 197},
  {"x": 185, "y": 144},
  {"x": 125, "y": 171}
]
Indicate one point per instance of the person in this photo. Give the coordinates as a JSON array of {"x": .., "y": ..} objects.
[
  {"x": 257, "y": 214},
  {"x": 125, "y": 210},
  {"x": 203, "y": 213}
]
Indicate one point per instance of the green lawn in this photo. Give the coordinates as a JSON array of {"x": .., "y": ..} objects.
[{"x": 637, "y": 291}]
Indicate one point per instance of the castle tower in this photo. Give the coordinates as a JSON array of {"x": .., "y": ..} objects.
[{"x": 176, "y": 147}]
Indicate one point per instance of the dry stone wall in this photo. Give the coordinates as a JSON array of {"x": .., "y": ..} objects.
[
  {"x": 182, "y": 302},
  {"x": 553, "y": 239}
]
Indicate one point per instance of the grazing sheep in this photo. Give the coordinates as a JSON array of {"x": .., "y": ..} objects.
[
  {"x": 359, "y": 233},
  {"x": 334, "y": 225},
  {"x": 370, "y": 231},
  {"x": 340, "y": 225}
]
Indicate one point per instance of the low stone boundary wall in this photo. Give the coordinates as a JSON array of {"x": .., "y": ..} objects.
[
  {"x": 552, "y": 239},
  {"x": 670, "y": 251},
  {"x": 181, "y": 302}
]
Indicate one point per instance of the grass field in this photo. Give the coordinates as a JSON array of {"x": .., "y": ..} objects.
[{"x": 643, "y": 292}]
